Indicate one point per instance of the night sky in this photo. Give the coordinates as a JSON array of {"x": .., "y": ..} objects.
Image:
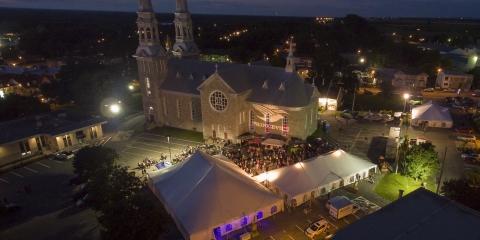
[{"x": 305, "y": 8}]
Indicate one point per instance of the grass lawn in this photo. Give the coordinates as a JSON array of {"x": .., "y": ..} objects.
[
  {"x": 375, "y": 103},
  {"x": 178, "y": 133},
  {"x": 391, "y": 183}
]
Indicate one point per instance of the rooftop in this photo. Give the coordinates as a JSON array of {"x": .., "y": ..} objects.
[
  {"x": 421, "y": 214},
  {"x": 51, "y": 123}
]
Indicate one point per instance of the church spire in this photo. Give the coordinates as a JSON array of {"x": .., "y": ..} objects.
[
  {"x": 290, "y": 59},
  {"x": 184, "y": 46},
  {"x": 149, "y": 40},
  {"x": 145, "y": 6}
]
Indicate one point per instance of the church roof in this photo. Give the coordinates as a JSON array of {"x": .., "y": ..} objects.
[{"x": 283, "y": 88}]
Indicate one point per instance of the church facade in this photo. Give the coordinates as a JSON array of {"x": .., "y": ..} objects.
[{"x": 221, "y": 100}]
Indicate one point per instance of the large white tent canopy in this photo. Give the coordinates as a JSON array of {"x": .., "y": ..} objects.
[
  {"x": 205, "y": 193},
  {"x": 316, "y": 176},
  {"x": 433, "y": 114}
]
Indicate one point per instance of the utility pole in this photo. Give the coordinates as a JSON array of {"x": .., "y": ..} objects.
[
  {"x": 441, "y": 170},
  {"x": 354, "y": 92}
]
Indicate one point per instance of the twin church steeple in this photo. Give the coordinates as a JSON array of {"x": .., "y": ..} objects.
[
  {"x": 148, "y": 34},
  {"x": 184, "y": 46}
]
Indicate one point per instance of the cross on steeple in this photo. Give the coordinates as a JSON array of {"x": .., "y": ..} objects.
[
  {"x": 264, "y": 56},
  {"x": 216, "y": 68}
]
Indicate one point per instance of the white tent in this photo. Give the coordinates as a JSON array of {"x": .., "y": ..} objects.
[
  {"x": 208, "y": 196},
  {"x": 431, "y": 114},
  {"x": 316, "y": 176},
  {"x": 273, "y": 142}
]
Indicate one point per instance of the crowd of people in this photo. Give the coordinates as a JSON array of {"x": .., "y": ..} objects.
[
  {"x": 252, "y": 158},
  {"x": 255, "y": 159}
]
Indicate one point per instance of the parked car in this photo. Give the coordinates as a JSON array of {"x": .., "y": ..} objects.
[
  {"x": 60, "y": 156},
  {"x": 456, "y": 105},
  {"x": 466, "y": 137},
  {"x": 467, "y": 151},
  {"x": 367, "y": 92},
  {"x": 380, "y": 93},
  {"x": 476, "y": 95},
  {"x": 12, "y": 207},
  {"x": 316, "y": 227},
  {"x": 75, "y": 180},
  {"x": 471, "y": 160},
  {"x": 470, "y": 155},
  {"x": 449, "y": 90},
  {"x": 84, "y": 201},
  {"x": 464, "y": 130},
  {"x": 80, "y": 192},
  {"x": 429, "y": 90}
]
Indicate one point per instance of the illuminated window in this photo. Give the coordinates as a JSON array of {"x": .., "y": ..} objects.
[
  {"x": 218, "y": 101},
  {"x": 24, "y": 147},
  {"x": 228, "y": 227},
  {"x": 273, "y": 210},
  {"x": 147, "y": 83},
  {"x": 150, "y": 110},
  {"x": 244, "y": 221},
  {"x": 267, "y": 123},
  {"x": 252, "y": 121},
  {"x": 285, "y": 126},
  {"x": 240, "y": 117},
  {"x": 179, "y": 109},
  {"x": 259, "y": 215},
  {"x": 167, "y": 111},
  {"x": 192, "y": 108}
]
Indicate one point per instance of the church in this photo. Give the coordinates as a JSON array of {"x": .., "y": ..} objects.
[{"x": 221, "y": 100}]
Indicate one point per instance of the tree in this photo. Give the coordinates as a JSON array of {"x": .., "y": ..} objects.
[
  {"x": 461, "y": 191},
  {"x": 133, "y": 218},
  {"x": 88, "y": 161},
  {"x": 387, "y": 88},
  {"x": 113, "y": 184},
  {"x": 421, "y": 161},
  {"x": 14, "y": 106}
]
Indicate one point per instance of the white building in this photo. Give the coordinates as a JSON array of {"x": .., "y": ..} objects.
[{"x": 454, "y": 79}]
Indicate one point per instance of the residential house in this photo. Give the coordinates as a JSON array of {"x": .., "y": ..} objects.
[
  {"x": 410, "y": 77},
  {"x": 454, "y": 79}
]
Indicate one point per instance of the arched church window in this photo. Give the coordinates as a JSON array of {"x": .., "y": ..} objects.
[
  {"x": 149, "y": 34},
  {"x": 267, "y": 123},
  {"x": 154, "y": 30},
  {"x": 141, "y": 34},
  {"x": 284, "y": 125},
  {"x": 147, "y": 83},
  {"x": 252, "y": 120}
]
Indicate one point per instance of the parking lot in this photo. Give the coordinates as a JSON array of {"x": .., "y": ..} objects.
[
  {"x": 48, "y": 212},
  {"x": 145, "y": 145}
]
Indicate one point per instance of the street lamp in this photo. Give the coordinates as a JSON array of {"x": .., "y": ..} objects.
[
  {"x": 406, "y": 96},
  {"x": 115, "y": 108},
  {"x": 168, "y": 139}
]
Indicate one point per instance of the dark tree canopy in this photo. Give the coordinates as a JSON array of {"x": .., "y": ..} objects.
[
  {"x": 89, "y": 161},
  {"x": 460, "y": 190},
  {"x": 133, "y": 218},
  {"x": 14, "y": 106}
]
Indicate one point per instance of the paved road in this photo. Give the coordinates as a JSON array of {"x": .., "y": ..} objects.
[{"x": 48, "y": 212}]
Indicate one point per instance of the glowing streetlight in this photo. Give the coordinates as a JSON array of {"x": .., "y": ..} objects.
[
  {"x": 115, "y": 108},
  {"x": 406, "y": 96},
  {"x": 130, "y": 87}
]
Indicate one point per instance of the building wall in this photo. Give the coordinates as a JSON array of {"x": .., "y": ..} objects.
[
  {"x": 155, "y": 69},
  {"x": 297, "y": 117},
  {"x": 184, "y": 121},
  {"x": 12, "y": 152},
  {"x": 225, "y": 121}
]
